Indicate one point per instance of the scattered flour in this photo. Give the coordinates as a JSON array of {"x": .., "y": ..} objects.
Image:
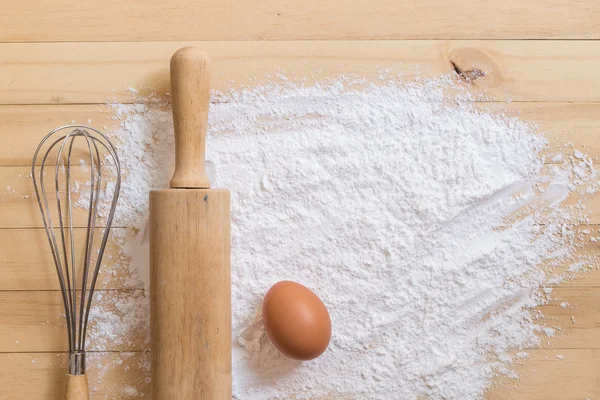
[
  {"x": 119, "y": 319},
  {"x": 550, "y": 332},
  {"x": 427, "y": 227},
  {"x": 130, "y": 391}
]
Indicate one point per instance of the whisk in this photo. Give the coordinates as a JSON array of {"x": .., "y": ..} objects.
[{"x": 77, "y": 275}]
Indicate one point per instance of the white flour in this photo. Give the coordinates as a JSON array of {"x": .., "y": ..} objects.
[{"x": 426, "y": 227}]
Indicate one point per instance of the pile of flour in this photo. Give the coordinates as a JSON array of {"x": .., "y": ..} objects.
[{"x": 426, "y": 226}]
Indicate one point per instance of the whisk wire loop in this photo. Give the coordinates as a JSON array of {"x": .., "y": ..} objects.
[{"x": 63, "y": 251}]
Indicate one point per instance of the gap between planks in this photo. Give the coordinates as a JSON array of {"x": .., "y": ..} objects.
[
  {"x": 141, "y": 101},
  {"x": 65, "y": 20},
  {"x": 67, "y": 352}
]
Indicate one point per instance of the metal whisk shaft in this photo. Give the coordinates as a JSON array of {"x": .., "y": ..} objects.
[{"x": 99, "y": 150}]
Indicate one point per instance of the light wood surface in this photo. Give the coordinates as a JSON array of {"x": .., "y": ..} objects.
[
  {"x": 32, "y": 321},
  {"x": 19, "y": 207},
  {"x": 553, "y": 83},
  {"x": 26, "y": 261},
  {"x": 542, "y": 376},
  {"x": 41, "y": 376},
  {"x": 522, "y": 70},
  {"x": 190, "y": 247},
  {"x": 23, "y": 126},
  {"x": 65, "y": 20}
]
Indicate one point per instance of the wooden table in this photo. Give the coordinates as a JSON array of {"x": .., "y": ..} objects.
[{"x": 62, "y": 60}]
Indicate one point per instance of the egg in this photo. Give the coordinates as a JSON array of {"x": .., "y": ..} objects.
[{"x": 296, "y": 321}]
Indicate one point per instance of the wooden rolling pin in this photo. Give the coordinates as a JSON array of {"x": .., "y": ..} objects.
[{"x": 190, "y": 254}]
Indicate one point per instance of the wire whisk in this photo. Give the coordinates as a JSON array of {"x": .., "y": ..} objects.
[{"x": 61, "y": 168}]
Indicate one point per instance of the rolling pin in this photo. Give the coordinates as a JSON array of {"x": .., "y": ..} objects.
[{"x": 190, "y": 245}]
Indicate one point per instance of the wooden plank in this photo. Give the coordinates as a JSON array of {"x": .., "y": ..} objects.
[
  {"x": 551, "y": 71},
  {"x": 27, "y": 264},
  {"x": 41, "y": 376},
  {"x": 34, "y": 322},
  {"x": 19, "y": 208},
  {"x": 545, "y": 377},
  {"x": 575, "y": 313},
  {"x": 23, "y": 126},
  {"x": 45, "y": 73},
  {"x": 560, "y": 123},
  {"x": 541, "y": 377},
  {"x": 67, "y": 20},
  {"x": 18, "y": 202},
  {"x": 583, "y": 270},
  {"x": 580, "y": 203},
  {"x": 26, "y": 261}
]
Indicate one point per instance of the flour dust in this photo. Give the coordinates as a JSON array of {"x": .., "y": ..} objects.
[{"x": 428, "y": 228}]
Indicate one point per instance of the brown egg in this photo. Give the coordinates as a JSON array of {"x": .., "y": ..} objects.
[{"x": 296, "y": 321}]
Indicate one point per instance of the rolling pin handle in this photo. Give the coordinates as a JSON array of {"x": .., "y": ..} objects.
[{"x": 190, "y": 95}]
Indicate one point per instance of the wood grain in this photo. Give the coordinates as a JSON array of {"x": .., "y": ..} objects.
[
  {"x": 575, "y": 313},
  {"x": 23, "y": 126},
  {"x": 32, "y": 321},
  {"x": 19, "y": 209},
  {"x": 18, "y": 203},
  {"x": 190, "y": 98},
  {"x": 77, "y": 387},
  {"x": 542, "y": 376},
  {"x": 27, "y": 264},
  {"x": 560, "y": 123},
  {"x": 47, "y": 73},
  {"x": 191, "y": 324},
  {"x": 190, "y": 289},
  {"x": 67, "y": 20},
  {"x": 61, "y": 73},
  {"x": 42, "y": 376}
]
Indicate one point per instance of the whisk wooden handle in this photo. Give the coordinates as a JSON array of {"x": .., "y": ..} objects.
[
  {"x": 77, "y": 388},
  {"x": 190, "y": 93}
]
